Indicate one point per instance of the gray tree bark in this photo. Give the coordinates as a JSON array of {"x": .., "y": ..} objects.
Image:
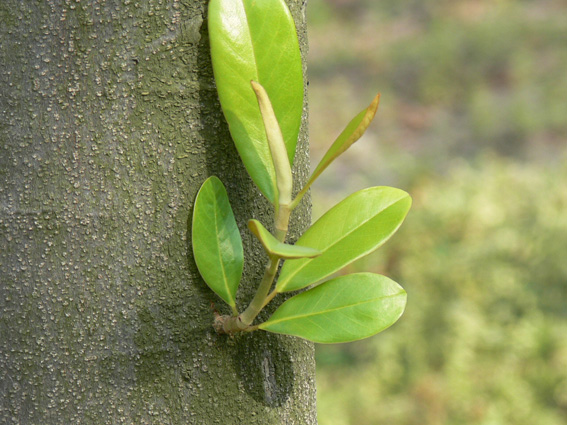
[{"x": 109, "y": 123}]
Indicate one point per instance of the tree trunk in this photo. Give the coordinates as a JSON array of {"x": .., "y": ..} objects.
[{"x": 109, "y": 124}]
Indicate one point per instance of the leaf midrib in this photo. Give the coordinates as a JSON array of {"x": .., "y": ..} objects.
[
  {"x": 303, "y": 316},
  {"x": 298, "y": 269},
  {"x": 225, "y": 279}
]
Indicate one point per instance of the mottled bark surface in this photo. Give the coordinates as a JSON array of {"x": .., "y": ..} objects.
[{"x": 109, "y": 123}]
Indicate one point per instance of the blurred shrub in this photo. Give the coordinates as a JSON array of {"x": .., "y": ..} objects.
[
  {"x": 483, "y": 340},
  {"x": 501, "y": 77},
  {"x": 456, "y": 77},
  {"x": 482, "y": 254}
]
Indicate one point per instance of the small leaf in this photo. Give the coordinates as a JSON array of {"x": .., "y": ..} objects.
[
  {"x": 344, "y": 309},
  {"x": 279, "y": 249},
  {"x": 353, "y": 131},
  {"x": 257, "y": 40},
  {"x": 284, "y": 179},
  {"x": 217, "y": 245},
  {"x": 351, "y": 229}
]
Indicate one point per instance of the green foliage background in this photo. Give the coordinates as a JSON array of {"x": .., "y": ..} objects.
[{"x": 473, "y": 123}]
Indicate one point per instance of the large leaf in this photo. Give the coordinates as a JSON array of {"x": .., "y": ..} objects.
[
  {"x": 352, "y": 132},
  {"x": 217, "y": 245},
  {"x": 351, "y": 229},
  {"x": 279, "y": 249},
  {"x": 344, "y": 309},
  {"x": 257, "y": 40}
]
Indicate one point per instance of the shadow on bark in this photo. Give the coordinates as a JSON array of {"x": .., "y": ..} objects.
[{"x": 264, "y": 367}]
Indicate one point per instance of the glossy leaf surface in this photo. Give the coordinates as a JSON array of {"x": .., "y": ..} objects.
[
  {"x": 257, "y": 40},
  {"x": 344, "y": 309},
  {"x": 279, "y": 249},
  {"x": 217, "y": 245},
  {"x": 351, "y": 229}
]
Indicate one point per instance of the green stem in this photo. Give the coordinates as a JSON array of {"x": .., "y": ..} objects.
[
  {"x": 270, "y": 298},
  {"x": 226, "y": 324},
  {"x": 282, "y": 222},
  {"x": 248, "y": 316},
  {"x": 300, "y": 195}
]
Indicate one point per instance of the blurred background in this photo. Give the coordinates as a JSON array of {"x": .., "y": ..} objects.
[{"x": 473, "y": 124}]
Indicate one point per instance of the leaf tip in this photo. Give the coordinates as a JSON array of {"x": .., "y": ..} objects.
[
  {"x": 373, "y": 108},
  {"x": 253, "y": 227}
]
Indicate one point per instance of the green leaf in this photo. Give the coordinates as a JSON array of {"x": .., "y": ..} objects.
[
  {"x": 279, "y": 249},
  {"x": 217, "y": 245},
  {"x": 257, "y": 40},
  {"x": 344, "y": 309},
  {"x": 284, "y": 179},
  {"x": 353, "y": 131},
  {"x": 351, "y": 229}
]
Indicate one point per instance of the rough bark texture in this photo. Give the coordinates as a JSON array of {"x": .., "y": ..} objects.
[{"x": 109, "y": 123}]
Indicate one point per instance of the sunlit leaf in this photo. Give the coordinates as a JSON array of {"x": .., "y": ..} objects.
[
  {"x": 344, "y": 309},
  {"x": 217, "y": 245},
  {"x": 284, "y": 179},
  {"x": 351, "y": 229},
  {"x": 257, "y": 40},
  {"x": 353, "y": 131},
  {"x": 279, "y": 249}
]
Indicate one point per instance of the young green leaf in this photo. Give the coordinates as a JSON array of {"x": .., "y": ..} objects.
[
  {"x": 344, "y": 309},
  {"x": 257, "y": 40},
  {"x": 351, "y": 229},
  {"x": 279, "y": 249},
  {"x": 284, "y": 179},
  {"x": 217, "y": 245},
  {"x": 353, "y": 131}
]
